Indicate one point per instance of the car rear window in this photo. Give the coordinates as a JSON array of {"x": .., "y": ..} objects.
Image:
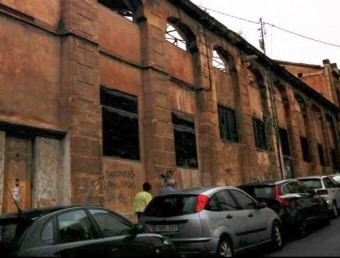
[
  {"x": 260, "y": 191},
  {"x": 171, "y": 205},
  {"x": 10, "y": 233},
  {"x": 313, "y": 183}
]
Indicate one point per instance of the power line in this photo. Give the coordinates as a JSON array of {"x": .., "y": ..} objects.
[
  {"x": 320, "y": 41},
  {"x": 277, "y": 27}
]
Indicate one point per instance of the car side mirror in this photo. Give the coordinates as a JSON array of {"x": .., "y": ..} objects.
[
  {"x": 138, "y": 228},
  {"x": 261, "y": 205}
]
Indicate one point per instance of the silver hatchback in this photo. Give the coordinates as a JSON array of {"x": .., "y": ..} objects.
[{"x": 212, "y": 220}]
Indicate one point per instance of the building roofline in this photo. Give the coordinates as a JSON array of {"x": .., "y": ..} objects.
[
  {"x": 298, "y": 64},
  {"x": 218, "y": 28}
]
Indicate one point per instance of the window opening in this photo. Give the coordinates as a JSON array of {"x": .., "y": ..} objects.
[
  {"x": 227, "y": 123},
  {"x": 321, "y": 155},
  {"x": 285, "y": 147},
  {"x": 260, "y": 134},
  {"x": 185, "y": 142},
  {"x": 173, "y": 36},
  {"x": 120, "y": 124},
  {"x": 217, "y": 62},
  {"x": 119, "y": 7},
  {"x": 305, "y": 149}
]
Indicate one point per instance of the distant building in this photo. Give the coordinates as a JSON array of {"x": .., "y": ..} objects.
[{"x": 97, "y": 97}]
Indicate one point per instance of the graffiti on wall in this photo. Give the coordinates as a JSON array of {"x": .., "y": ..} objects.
[{"x": 119, "y": 184}]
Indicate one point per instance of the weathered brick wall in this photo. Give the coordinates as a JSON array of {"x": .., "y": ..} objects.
[{"x": 54, "y": 65}]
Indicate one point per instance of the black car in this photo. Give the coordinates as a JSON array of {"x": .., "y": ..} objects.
[
  {"x": 297, "y": 205},
  {"x": 77, "y": 231}
]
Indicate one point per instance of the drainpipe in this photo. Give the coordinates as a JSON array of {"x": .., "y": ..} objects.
[{"x": 275, "y": 121}]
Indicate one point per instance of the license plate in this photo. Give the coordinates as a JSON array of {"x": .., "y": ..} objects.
[{"x": 166, "y": 228}]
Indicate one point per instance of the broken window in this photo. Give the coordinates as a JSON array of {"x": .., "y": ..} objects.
[
  {"x": 173, "y": 36},
  {"x": 321, "y": 155},
  {"x": 218, "y": 63},
  {"x": 227, "y": 122},
  {"x": 185, "y": 141},
  {"x": 120, "y": 124},
  {"x": 284, "y": 142},
  {"x": 119, "y": 7},
  {"x": 305, "y": 149},
  {"x": 260, "y": 134}
]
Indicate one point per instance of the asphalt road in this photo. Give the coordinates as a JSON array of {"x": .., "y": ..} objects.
[{"x": 320, "y": 242}]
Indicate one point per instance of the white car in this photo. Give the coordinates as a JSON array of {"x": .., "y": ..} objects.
[{"x": 327, "y": 188}]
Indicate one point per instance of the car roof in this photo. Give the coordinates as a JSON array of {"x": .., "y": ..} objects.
[
  {"x": 198, "y": 190},
  {"x": 34, "y": 213},
  {"x": 267, "y": 182},
  {"x": 311, "y": 177}
]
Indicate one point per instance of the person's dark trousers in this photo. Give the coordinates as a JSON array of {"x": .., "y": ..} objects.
[{"x": 138, "y": 214}]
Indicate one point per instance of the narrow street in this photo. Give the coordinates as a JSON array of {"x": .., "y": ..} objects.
[{"x": 321, "y": 242}]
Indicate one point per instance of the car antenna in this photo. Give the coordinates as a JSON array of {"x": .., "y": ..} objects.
[{"x": 15, "y": 202}]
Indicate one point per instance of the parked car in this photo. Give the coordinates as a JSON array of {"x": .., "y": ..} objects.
[
  {"x": 297, "y": 205},
  {"x": 78, "y": 231},
  {"x": 327, "y": 188},
  {"x": 336, "y": 178},
  {"x": 212, "y": 220}
]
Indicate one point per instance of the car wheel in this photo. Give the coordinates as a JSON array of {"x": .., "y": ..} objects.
[
  {"x": 225, "y": 248},
  {"x": 276, "y": 237},
  {"x": 334, "y": 210}
]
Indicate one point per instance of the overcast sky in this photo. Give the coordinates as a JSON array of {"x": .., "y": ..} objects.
[{"x": 316, "y": 19}]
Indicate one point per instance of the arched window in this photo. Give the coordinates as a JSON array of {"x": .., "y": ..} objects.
[
  {"x": 217, "y": 62},
  {"x": 174, "y": 37},
  {"x": 120, "y": 7}
]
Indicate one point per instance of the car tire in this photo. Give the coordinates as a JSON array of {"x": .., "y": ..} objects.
[
  {"x": 276, "y": 237},
  {"x": 225, "y": 248},
  {"x": 334, "y": 210}
]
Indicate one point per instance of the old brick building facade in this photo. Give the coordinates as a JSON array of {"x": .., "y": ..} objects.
[{"x": 98, "y": 97}]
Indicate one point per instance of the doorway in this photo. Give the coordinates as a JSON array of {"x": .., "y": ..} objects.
[{"x": 17, "y": 174}]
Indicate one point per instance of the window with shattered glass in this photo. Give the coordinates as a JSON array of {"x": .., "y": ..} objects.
[
  {"x": 119, "y": 7},
  {"x": 218, "y": 63},
  {"x": 173, "y": 37},
  {"x": 185, "y": 141},
  {"x": 120, "y": 124}
]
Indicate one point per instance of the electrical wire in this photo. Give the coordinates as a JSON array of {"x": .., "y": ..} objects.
[{"x": 277, "y": 27}]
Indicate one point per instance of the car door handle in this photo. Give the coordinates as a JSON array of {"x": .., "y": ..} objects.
[
  {"x": 250, "y": 215},
  {"x": 229, "y": 216}
]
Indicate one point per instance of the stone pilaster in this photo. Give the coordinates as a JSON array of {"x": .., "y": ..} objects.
[{"x": 80, "y": 110}]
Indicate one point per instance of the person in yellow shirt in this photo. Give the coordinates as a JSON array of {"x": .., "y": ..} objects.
[{"x": 142, "y": 199}]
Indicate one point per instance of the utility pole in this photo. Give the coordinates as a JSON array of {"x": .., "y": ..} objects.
[{"x": 263, "y": 33}]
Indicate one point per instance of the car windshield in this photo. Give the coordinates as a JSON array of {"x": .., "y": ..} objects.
[
  {"x": 171, "y": 205},
  {"x": 312, "y": 183},
  {"x": 10, "y": 232}
]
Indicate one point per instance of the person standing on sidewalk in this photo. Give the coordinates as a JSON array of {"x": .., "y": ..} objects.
[{"x": 142, "y": 199}]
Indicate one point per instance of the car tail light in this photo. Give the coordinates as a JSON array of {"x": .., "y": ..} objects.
[
  {"x": 282, "y": 201},
  {"x": 323, "y": 192},
  {"x": 202, "y": 200}
]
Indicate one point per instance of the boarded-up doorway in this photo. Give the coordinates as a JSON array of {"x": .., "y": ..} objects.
[{"x": 18, "y": 174}]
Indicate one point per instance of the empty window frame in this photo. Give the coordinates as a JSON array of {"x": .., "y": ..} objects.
[
  {"x": 185, "y": 141},
  {"x": 333, "y": 157},
  {"x": 305, "y": 149},
  {"x": 120, "y": 124},
  {"x": 321, "y": 155},
  {"x": 172, "y": 36},
  {"x": 285, "y": 147},
  {"x": 228, "y": 125},
  {"x": 119, "y": 7},
  {"x": 260, "y": 134},
  {"x": 217, "y": 62}
]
